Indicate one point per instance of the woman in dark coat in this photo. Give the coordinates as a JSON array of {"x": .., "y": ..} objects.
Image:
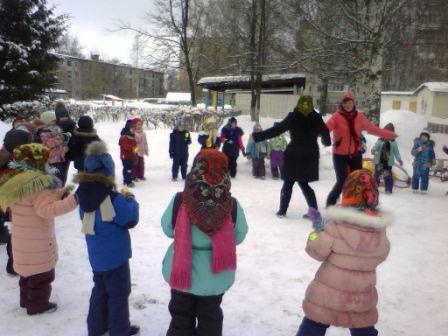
[{"x": 301, "y": 164}]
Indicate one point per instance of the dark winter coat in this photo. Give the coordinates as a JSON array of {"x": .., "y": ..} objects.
[
  {"x": 67, "y": 125},
  {"x": 179, "y": 142},
  {"x": 78, "y": 144},
  {"x": 302, "y": 154},
  {"x": 232, "y": 139}
]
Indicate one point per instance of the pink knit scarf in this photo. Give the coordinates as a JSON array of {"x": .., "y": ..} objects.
[{"x": 223, "y": 250}]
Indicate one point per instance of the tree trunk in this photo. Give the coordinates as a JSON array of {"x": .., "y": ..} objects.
[
  {"x": 323, "y": 96},
  {"x": 253, "y": 29}
]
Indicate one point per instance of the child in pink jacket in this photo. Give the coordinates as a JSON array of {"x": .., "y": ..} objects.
[
  {"x": 138, "y": 171},
  {"x": 35, "y": 198},
  {"x": 350, "y": 248}
]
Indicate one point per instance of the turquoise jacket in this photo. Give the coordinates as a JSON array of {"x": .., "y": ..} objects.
[
  {"x": 257, "y": 150},
  {"x": 203, "y": 281},
  {"x": 394, "y": 152}
]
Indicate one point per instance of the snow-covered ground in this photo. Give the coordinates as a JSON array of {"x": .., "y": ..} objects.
[{"x": 273, "y": 268}]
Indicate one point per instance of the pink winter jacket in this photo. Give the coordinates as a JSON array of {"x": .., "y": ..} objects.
[
  {"x": 33, "y": 233},
  {"x": 142, "y": 143},
  {"x": 343, "y": 142},
  {"x": 343, "y": 292},
  {"x": 56, "y": 145}
]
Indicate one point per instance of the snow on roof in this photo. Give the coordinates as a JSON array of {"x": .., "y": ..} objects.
[
  {"x": 56, "y": 91},
  {"x": 231, "y": 79},
  {"x": 434, "y": 87},
  {"x": 174, "y": 97},
  {"x": 112, "y": 97},
  {"x": 397, "y": 93}
]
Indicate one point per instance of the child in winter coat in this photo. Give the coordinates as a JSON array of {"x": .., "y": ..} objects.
[
  {"x": 180, "y": 139},
  {"x": 128, "y": 152},
  {"x": 277, "y": 146},
  {"x": 82, "y": 137},
  {"x": 232, "y": 139},
  {"x": 350, "y": 248},
  {"x": 257, "y": 152},
  {"x": 13, "y": 139},
  {"x": 209, "y": 137},
  {"x": 35, "y": 197},
  {"x": 143, "y": 150},
  {"x": 52, "y": 137},
  {"x": 425, "y": 157},
  {"x": 385, "y": 154},
  {"x": 107, "y": 217},
  {"x": 200, "y": 265}
]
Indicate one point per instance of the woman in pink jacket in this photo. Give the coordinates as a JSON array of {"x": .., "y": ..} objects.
[
  {"x": 347, "y": 125},
  {"x": 351, "y": 246},
  {"x": 138, "y": 170},
  {"x": 35, "y": 198}
]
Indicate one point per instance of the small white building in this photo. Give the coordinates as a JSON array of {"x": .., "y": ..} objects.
[{"x": 429, "y": 99}]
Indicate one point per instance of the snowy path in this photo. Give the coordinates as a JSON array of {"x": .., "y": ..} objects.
[{"x": 274, "y": 270}]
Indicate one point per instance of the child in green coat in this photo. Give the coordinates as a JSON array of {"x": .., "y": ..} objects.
[
  {"x": 385, "y": 154},
  {"x": 206, "y": 224}
]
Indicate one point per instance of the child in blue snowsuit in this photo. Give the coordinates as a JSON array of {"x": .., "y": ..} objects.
[
  {"x": 424, "y": 154},
  {"x": 107, "y": 217},
  {"x": 180, "y": 139}
]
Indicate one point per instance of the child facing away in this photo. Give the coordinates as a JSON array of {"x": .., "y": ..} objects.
[
  {"x": 13, "y": 139},
  {"x": 180, "y": 139},
  {"x": 143, "y": 150},
  {"x": 35, "y": 197},
  {"x": 350, "y": 247},
  {"x": 200, "y": 265},
  {"x": 128, "y": 152},
  {"x": 82, "y": 137},
  {"x": 257, "y": 152},
  {"x": 277, "y": 146},
  {"x": 106, "y": 218},
  {"x": 385, "y": 153},
  {"x": 423, "y": 151}
]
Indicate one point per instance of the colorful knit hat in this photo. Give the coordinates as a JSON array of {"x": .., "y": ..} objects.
[
  {"x": 360, "y": 190},
  {"x": 33, "y": 155}
]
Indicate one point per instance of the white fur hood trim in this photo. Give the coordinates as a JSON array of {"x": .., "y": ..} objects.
[
  {"x": 96, "y": 148},
  {"x": 359, "y": 218}
]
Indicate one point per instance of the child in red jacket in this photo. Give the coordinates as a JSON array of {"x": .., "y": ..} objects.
[{"x": 128, "y": 152}]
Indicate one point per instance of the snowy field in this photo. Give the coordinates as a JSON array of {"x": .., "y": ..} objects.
[{"x": 273, "y": 268}]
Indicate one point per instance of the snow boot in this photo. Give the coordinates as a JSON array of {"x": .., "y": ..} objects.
[
  {"x": 280, "y": 214},
  {"x": 130, "y": 185},
  {"x": 134, "y": 330},
  {"x": 52, "y": 307}
]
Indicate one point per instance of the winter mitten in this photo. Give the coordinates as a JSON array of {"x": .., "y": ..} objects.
[
  {"x": 316, "y": 219},
  {"x": 126, "y": 193}
]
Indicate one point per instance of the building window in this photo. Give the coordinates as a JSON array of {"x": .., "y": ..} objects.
[{"x": 69, "y": 63}]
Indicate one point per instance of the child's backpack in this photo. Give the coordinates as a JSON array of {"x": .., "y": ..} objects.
[{"x": 178, "y": 202}]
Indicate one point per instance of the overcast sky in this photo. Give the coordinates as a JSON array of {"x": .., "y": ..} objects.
[{"x": 91, "y": 20}]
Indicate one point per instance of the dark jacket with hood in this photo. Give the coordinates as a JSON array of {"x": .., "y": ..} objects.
[
  {"x": 179, "y": 142},
  {"x": 77, "y": 146},
  {"x": 302, "y": 154}
]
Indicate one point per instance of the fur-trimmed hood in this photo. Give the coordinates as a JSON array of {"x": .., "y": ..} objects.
[
  {"x": 96, "y": 148},
  {"x": 108, "y": 181},
  {"x": 84, "y": 133},
  {"x": 365, "y": 219}
]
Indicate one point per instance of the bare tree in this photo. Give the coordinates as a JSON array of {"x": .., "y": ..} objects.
[
  {"x": 70, "y": 45},
  {"x": 357, "y": 33},
  {"x": 175, "y": 40}
]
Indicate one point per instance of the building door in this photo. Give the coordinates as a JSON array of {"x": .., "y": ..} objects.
[
  {"x": 413, "y": 106},
  {"x": 396, "y": 105}
]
